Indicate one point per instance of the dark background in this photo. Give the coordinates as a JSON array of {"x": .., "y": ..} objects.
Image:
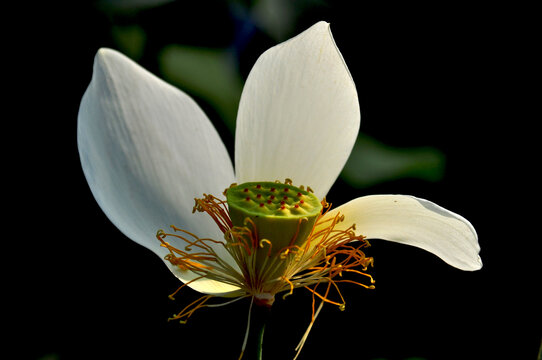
[{"x": 452, "y": 76}]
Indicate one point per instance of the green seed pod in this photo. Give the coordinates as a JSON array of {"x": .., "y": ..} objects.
[{"x": 283, "y": 214}]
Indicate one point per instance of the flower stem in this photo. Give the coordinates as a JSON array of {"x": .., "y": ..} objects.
[{"x": 259, "y": 317}]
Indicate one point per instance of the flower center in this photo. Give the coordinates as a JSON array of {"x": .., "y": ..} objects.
[
  {"x": 278, "y": 237},
  {"x": 284, "y": 215}
]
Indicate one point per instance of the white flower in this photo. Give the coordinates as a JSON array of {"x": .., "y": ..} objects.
[{"x": 147, "y": 150}]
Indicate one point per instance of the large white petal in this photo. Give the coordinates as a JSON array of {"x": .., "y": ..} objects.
[
  {"x": 147, "y": 150},
  {"x": 299, "y": 113},
  {"x": 418, "y": 222}
]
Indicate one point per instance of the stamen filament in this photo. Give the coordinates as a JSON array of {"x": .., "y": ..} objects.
[
  {"x": 260, "y": 265},
  {"x": 187, "y": 312},
  {"x": 306, "y": 335},
  {"x": 323, "y": 297},
  {"x": 247, "y": 330}
]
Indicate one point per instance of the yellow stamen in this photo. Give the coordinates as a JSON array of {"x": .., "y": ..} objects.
[
  {"x": 187, "y": 312},
  {"x": 217, "y": 210},
  {"x": 291, "y": 287},
  {"x": 264, "y": 266}
]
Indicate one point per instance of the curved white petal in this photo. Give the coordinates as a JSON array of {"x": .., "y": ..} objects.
[
  {"x": 147, "y": 150},
  {"x": 417, "y": 222},
  {"x": 299, "y": 113}
]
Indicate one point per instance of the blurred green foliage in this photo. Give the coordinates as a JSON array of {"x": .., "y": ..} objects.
[
  {"x": 130, "y": 40},
  {"x": 373, "y": 162},
  {"x": 208, "y": 73}
]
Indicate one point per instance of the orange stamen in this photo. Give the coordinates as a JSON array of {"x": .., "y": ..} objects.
[
  {"x": 217, "y": 209},
  {"x": 327, "y": 254}
]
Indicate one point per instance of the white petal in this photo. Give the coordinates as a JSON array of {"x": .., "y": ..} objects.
[
  {"x": 205, "y": 285},
  {"x": 417, "y": 222},
  {"x": 147, "y": 150},
  {"x": 299, "y": 113}
]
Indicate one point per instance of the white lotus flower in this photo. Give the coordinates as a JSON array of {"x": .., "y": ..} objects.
[{"x": 148, "y": 150}]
